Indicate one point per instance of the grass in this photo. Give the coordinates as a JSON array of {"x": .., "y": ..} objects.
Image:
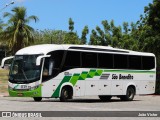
[{"x": 3, "y": 81}]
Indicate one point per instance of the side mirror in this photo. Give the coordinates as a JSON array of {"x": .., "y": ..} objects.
[
  {"x": 4, "y": 59},
  {"x": 38, "y": 60}
]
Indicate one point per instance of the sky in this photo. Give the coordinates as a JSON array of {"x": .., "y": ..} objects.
[{"x": 54, "y": 14}]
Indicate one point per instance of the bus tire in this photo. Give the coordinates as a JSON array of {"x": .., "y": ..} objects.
[
  {"x": 65, "y": 95},
  {"x": 37, "y": 99},
  {"x": 105, "y": 98},
  {"x": 129, "y": 94}
]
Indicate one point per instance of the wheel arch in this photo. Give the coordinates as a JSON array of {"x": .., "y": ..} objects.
[
  {"x": 67, "y": 84},
  {"x": 133, "y": 85}
]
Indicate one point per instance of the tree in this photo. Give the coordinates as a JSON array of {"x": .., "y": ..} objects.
[
  {"x": 18, "y": 33},
  {"x": 49, "y": 36},
  {"x": 93, "y": 38},
  {"x": 148, "y": 31},
  {"x": 1, "y": 29},
  {"x": 98, "y": 36},
  {"x": 85, "y": 31},
  {"x": 109, "y": 35},
  {"x": 2, "y": 44},
  {"x": 152, "y": 15},
  {"x": 1, "y": 25},
  {"x": 71, "y": 24},
  {"x": 115, "y": 36},
  {"x": 71, "y": 37}
]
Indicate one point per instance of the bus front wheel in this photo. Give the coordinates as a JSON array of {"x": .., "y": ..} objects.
[
  {"x": 37, "y": 99},
  {"x": 129, "y": 94},
  {"x": 105, "y": 98},
  {"x": 66, "y": 94}
]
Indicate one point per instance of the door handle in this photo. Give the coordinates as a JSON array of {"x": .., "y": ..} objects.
[
  {"x": 92, "y": 85},
  {"x": 117, "y": 85},
  {"x": 105, "y": 85}
]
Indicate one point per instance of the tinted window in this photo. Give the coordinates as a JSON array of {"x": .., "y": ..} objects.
[
  {"x": 52, "y": 65},
  {"x": 89, "y": 59},
  {"x": 148, "y": 62},
  {"x": 105, "y": 60},
  {"x": 57, "y": 56},
  {"x": 135, "y": 62},
  {"x": 73, "y": 59},
  {"x": 120, "y": 61}
]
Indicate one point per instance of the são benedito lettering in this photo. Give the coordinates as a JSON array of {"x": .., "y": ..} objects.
[{"x": 129, "y": 76}]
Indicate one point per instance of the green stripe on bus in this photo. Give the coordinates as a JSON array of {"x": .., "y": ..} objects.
[
  {"x": 91, "y": 73},
  {"x": 65, "y": 79},
  {"x": 99, "y": 72},
  {"x": 83, "y": 75},
  {"x": 74, "y": 79},
  {"x": 130, "y": 71}
]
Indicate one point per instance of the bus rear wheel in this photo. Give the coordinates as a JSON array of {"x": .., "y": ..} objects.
[
  {"x": 129, "y": 94},
  {"x": 37, "y": 99},
  {"x": 105, "y": 98}
]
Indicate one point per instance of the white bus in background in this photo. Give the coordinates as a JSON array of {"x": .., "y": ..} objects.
[{"x": 66, "y": 71}]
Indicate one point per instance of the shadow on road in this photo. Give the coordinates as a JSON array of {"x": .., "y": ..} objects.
[{"x": 76, "y": 100}]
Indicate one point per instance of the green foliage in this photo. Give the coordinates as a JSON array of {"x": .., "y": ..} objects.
[
  {"x": 114, "y": 35},
  {"x": 71, "y": 24},
  {"x": 85, "y": 31},
  {"x": 158, "y": 82},
  {"x": 153, "y": 15},
  {"x": 1, "y": 25},
  {"x": 18, "y": 34},
  {"x": 60, "y": 37},
  {"x": 49, "y": 36},
  {"x": 71, "y": 37},
  {"x": 149, "y": 30}
]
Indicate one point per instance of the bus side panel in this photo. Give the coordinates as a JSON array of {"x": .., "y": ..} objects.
[
  {"x": 146, "y": 83},
  {"x": 104, "y": 87},
  {"x": 143, "y": 82},
  {"x": 49, "y": 87},
  {"x": 145, "y": 87},
  {"x": 92, "y": 87},
  {"x": 79, "y": 88},
  {"x": 117, "y": 87}
]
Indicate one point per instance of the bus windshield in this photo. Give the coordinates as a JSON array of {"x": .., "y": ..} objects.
[{"x": 24, "y": 69}]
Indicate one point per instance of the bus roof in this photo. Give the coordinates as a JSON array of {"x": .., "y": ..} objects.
[{"x": 46, "y": 48}]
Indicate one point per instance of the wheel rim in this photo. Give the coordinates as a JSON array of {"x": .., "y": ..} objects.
[
  {"x": 130, "y": 93},
  {"x": 66, "y": 94}
]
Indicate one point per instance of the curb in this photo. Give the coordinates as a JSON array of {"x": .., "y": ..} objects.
[{"x": 4, "y": 95}]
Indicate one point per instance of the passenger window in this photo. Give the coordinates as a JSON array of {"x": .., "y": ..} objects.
[
  {"x": 148, "y": 62},
  {"x": 72, "y": 59},
  {"x": 105, "y": 60},
  {"x": 89, "y": 60},
  {"x": 120, "y": 61},
  {"x": 135, "y": 62}
]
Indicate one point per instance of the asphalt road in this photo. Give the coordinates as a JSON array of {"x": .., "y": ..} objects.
[{"x": 91, "y": 103}]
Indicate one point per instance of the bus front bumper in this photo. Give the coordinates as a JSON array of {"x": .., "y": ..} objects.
[{"x": 28, "y": 93}]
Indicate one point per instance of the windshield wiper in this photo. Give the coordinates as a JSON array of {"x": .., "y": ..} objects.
[{"x": 24, "y": 74}]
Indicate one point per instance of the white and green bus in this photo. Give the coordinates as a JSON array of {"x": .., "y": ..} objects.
[{"x": 66, "y": 71}]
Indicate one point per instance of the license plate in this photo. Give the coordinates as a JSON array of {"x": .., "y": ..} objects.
[{"x": 20, "y": 94}]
